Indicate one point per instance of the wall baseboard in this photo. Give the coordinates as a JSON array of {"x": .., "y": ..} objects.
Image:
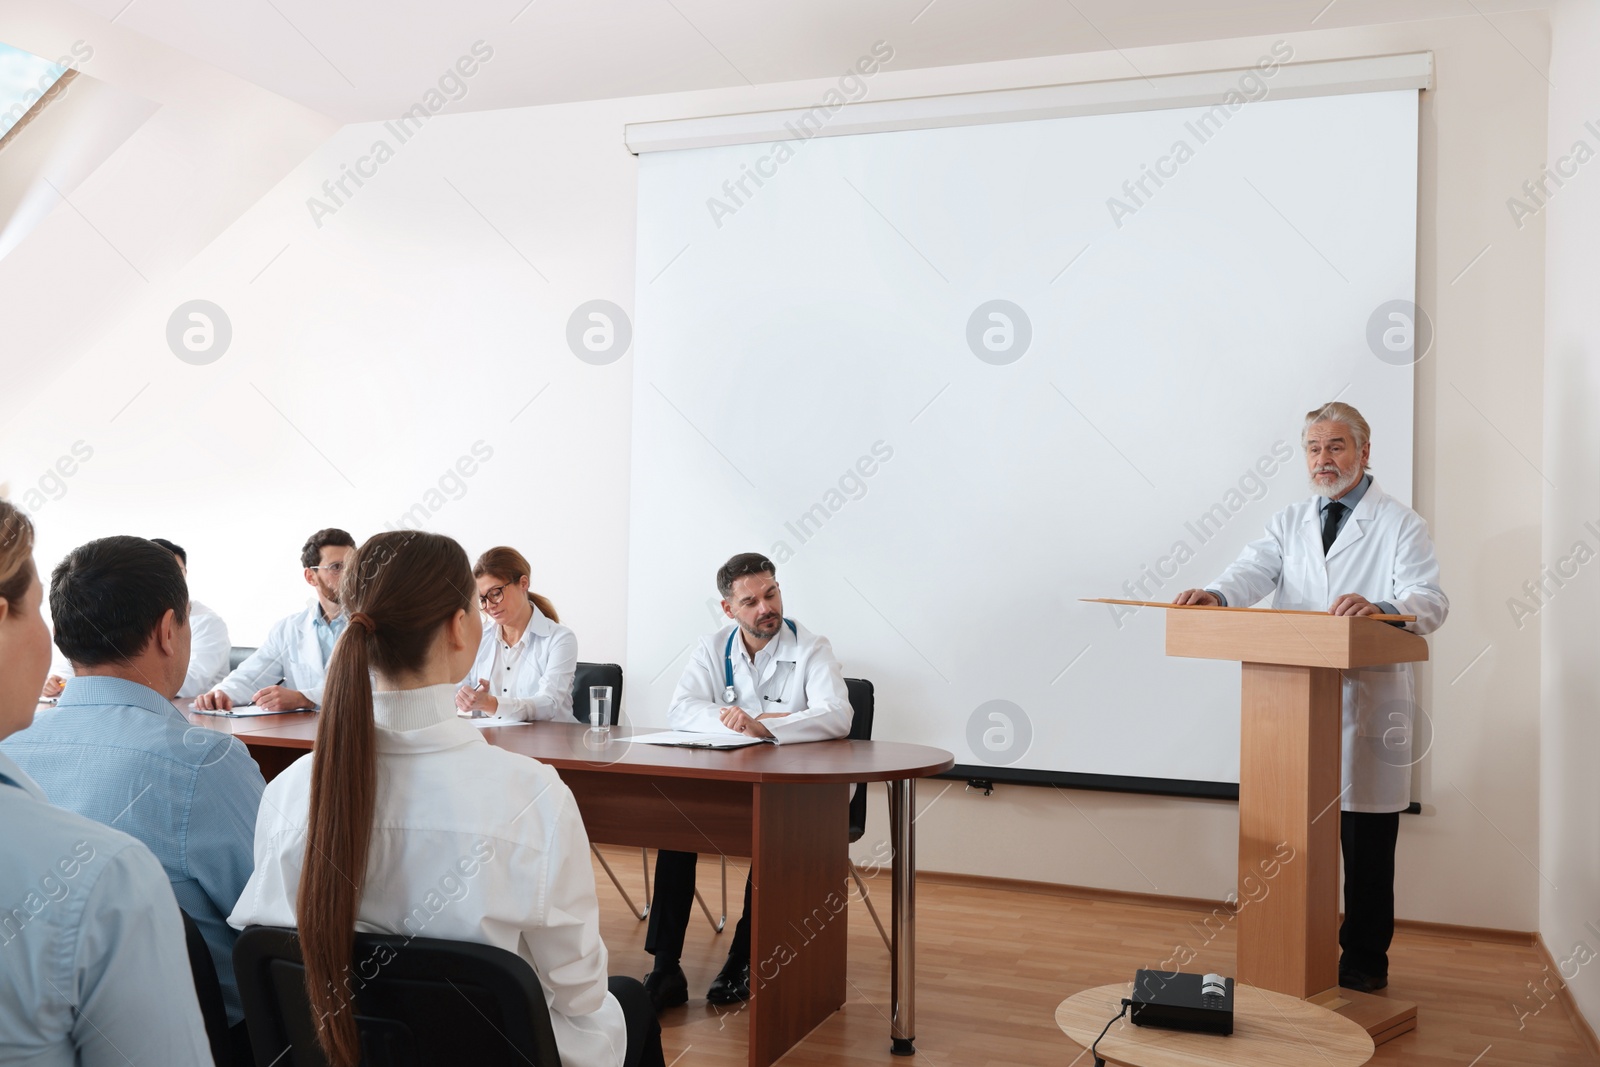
[
  {"x": 1157, "y": 900},
  {"x": 1075, "y": 892},
  {"x": 1579, "y": 1023}
]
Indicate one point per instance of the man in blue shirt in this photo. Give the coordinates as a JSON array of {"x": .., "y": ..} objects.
[
  {"x": 91, "y": 944},
  {"x": 116, "y": 750}
]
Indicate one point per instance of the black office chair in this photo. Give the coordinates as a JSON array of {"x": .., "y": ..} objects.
[
  {"x": 596, "y": 674},
  {"x": 861, "y": 706},
  {"x": 428, "y": 1003},
  {"x": 208, "y": 990},
  {"x": 237, "y": 655},
  {"x": 610, "y": 674}
]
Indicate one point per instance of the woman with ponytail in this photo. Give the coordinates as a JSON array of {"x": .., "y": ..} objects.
[
  {"x": 398, "y": 822},
  {"x": 526, "y": 658}
]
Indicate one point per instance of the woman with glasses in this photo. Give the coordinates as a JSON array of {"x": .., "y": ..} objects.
[{"x": 527, "y": 659}]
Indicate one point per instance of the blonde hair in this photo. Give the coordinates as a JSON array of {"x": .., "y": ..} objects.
[
  {"x": 1335, "y": 411},
  {"x": 16, "y": 552}
]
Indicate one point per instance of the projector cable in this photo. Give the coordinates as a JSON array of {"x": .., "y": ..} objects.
[{"x": 1094, "y": 1049}]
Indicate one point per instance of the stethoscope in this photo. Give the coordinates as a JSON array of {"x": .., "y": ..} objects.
[{"x": 728, "y": 692}]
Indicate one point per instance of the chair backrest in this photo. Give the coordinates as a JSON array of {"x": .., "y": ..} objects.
[
  {"x": 208, "y": 991},
  {"x": 596, "y": 674},
  {"x": 237, "y": 655},
  {"x": 861, "y": 700},
  {"x": 419, "y": 1002}
]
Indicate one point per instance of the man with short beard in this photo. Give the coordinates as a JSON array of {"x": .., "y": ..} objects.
[
  {"x": 1352, "y": 550},
  {"x": 764, "y": 676},
  {"x": 286, "y": 672}
]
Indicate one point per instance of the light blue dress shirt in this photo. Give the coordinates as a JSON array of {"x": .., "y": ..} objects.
[
  {"x": 91, "y": 944},
  {"x": 328, "y": 631},
  {"x": 119, "y": 753}
]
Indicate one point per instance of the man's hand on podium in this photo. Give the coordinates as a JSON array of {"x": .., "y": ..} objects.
[
  {"x": 1354, "y": 604},
  {"x": 1196, "y": 597}
]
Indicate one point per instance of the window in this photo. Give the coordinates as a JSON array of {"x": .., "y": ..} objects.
[{"x": 25, "y": 79}]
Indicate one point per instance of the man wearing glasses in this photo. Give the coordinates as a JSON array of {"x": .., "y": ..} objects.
[{"x": 286, "y": 672}]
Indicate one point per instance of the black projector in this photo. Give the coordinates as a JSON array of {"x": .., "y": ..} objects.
[{"x": 1201, "y": 1004}]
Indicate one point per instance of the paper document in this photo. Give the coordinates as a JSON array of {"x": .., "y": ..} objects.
[
  {"x": 495, "y": 720},
  {"x": 240, "y": 711},
  {"x": 686, "y": 739}
]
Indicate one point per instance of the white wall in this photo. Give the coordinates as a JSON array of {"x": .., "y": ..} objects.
[
  {"x": 212, "y": 145},
  {"x": 413, "y": 323},
  {"x": 1569, "y": 784}
]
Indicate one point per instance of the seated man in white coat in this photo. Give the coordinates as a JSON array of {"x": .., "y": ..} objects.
[
  {"x": 1352, "y": 550},
  {"x": 764, "y": 676},
  {"x": 208, "y": 649},
  {"x": 286, "y": 672}
]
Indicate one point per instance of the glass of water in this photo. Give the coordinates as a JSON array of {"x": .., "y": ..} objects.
[{"x": 600, "y": 712}]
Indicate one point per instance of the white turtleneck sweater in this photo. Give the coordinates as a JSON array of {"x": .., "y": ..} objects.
[{"x": 470, "y": 843}]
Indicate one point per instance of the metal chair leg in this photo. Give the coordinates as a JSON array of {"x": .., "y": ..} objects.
[
  {"x": 644, "y": 861},
  {"x": 637, "y": 912},
  {"x": 855, "y": 872},
  {"x": 717, "y": 925}
]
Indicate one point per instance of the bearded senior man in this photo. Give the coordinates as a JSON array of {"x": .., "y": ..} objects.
[{"x": 1352, "y": 550}]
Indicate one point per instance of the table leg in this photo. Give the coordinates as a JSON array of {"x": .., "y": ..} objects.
[
  {"x": 798, "y": 913},
  {"x": 272, "y": 759},
  {"x": 903, "y": 950}
]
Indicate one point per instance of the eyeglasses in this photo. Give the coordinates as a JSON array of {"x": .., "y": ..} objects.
[
  {"x": 331, "y": 568},
  {"x": 494, "y": 595}
]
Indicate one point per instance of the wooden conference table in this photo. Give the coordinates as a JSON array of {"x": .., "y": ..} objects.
[{"x": 783, "y": 806}]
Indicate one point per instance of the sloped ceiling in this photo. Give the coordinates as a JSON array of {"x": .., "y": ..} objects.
[{"x": 367, "y": 59}]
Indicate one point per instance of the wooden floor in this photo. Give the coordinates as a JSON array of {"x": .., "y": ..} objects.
[{"x": 993, "y": 964}]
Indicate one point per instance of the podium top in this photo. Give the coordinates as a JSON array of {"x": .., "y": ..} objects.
[{"x": 1290, "y": 638}]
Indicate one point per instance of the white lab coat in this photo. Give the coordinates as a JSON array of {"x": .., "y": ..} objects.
[
  {"x": 290, "y": 652},
  {"x": 536, "y": 682},
  {"x": 208, "y": 652},
  {"x": 470, "y": 843},
  {"x": 1383, "y": 552},
  {"x": 796, "y": 673}
]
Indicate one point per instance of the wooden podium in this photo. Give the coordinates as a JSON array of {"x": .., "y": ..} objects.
[{"x": 1289, "y": 790}]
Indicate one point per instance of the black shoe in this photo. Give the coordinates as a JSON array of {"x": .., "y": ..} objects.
[
  {"x": 1362, "y": 983},
  {"x": 732, "y": 984},
  {"x": 667, "y": 987}
]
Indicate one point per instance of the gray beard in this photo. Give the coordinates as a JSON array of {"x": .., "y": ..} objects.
[{"x": 1331, "y": 491}]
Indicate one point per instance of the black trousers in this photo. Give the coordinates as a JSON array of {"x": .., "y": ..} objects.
[
  {"x": 644, "y": 1031},
  {"x": 239, "y": 1040},
  {"x": 1367, "y": 840},
  {"x": 670, "y": 909}
]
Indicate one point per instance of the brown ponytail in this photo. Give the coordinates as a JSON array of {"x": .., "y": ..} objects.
[
  {"x": 509, "y": 565},
  {"x": 399, "y": 589}
]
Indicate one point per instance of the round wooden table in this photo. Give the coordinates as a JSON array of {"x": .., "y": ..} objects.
[{"x": 1269, "y": 1030}]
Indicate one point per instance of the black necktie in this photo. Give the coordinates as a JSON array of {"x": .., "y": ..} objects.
[{"x": 1330, "y": 523}]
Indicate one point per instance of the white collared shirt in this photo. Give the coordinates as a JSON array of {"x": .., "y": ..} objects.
[
  {"x": 531, "y": 679},
  {"x": 469, "y": 843},
  {"x": 795, "y": 674}
]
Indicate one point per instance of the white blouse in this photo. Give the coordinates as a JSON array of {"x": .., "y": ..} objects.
[
  {"x": 470, "y": 843},
  {"x": 531, "y": 679}
]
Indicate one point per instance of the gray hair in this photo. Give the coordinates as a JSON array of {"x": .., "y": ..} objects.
[{"x": 1335, "y": 411}]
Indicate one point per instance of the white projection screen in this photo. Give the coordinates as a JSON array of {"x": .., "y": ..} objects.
[{"x": 822, "y": 374}]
